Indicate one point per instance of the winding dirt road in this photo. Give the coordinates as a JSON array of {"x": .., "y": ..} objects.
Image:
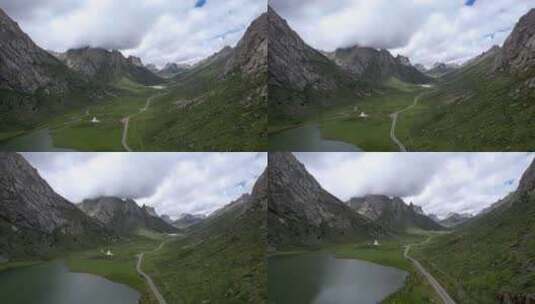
[
  {"x": 394, "y": 117},
  {"x": 126, "y": 121},
  {"x": 442, "y": 293},
  {"x": 155, "y": 291}
]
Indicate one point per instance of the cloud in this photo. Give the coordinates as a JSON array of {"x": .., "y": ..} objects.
[
  {"x": 439, "y": 182},
  {"x": 158, "y": 31},
  {"x": 174, "y": 183},
  {"x": 427, "y": 31}
]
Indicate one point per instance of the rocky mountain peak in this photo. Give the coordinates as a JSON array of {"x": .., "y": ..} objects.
[
  {"x": 135, "y": 61},
  {"x": 250, "y": 55},
  {"x": 150, "y": 210},
  {"x": 24, "y": 66},
  {"x": 403, "y": 60},
  {"x": 518, "y": 52},
  {"x": 527, "y": 182}
]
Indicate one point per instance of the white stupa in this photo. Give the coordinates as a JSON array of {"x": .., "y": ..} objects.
[
  {"x": 376, "y": 243},
  {"x": 95, "y": 120},
  {"x": 109, "y": 253},
  {"x": 363, "y": 115}
]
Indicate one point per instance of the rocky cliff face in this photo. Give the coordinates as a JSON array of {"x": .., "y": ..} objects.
[
  {"x": 106, "y": 66},
  {"x": 518, "y": 52},
  {"x": 291, "y": 62},
  {"x": 250, "y": 55},
  {"x": 392, "y": 213},
  {"x": 185, "y": 220},
  {"x": 440, "y": 69},
  {"x": 24, "y": 66},
  {"x": 455, "y": 219},
  {"x": 301, "y": 212},
  {"x": 173, "y": 69},
  {"x": 34, "y": 216},
  {"x": 135, "y": 61},
  {"x": 123, "y": 216},
  {"x": 374, "y": 65}
]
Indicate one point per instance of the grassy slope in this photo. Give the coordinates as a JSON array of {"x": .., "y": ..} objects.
[
  {"x": 491, "y": 256},
  {"x": 220, "y": 265},
  {"x": 472, "y": 111},
  {"x": 205, "y": 112}
]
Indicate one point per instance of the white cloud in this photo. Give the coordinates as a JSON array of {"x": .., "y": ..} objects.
[
  {"x": 427, "y": 31},
  {"x": 174, "y": 183},
  {"x": 158, "y": 31},
  {"x": 439, "y": 182}
]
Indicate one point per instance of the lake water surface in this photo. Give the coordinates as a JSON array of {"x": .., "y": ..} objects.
[
  {"x": 323, "y": 279},
  {"x": 307, "y": 138},
  {"x": 52, "y": 283},
  {"x": 38, "y": 140}
]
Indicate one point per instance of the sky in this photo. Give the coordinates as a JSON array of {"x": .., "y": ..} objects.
[
  {"x": 173, "y": 183},
  {"x": 426, "y": 31},
  {"x": 158, "y": 31},
  {"x": 438, "y": 182}
]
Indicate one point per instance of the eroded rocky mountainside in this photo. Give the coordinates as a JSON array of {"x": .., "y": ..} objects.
[
  {"x": 393, "y": 213},
  {"x": 24, "y": 66},
  {"x": 440, "y": 69},
  {"x": 301, "y": 77},
  {"x": 34, "y": 219},
  {"x": 124, "y": 216},
  {"x": 186, "y": 220},
  {"x": 455, "y": 219},
  {"x": 249, "y": 57},
  {"x": 377, "y": 65},
  {"x": 107, "y": 66},
  {"x": 170, "y": 70},
  {"x": 302, "y": 213},
  {"x": 498, "y": 244},
  {"x": 518, "y": 52}
]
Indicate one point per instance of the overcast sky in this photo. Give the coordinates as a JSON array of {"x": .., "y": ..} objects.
[
  {"x": 158, "y": 31},
  {"x": 173, "y": 183},
  {"x": 438, "y": 182},
  {"x": 427, "y": 31}
]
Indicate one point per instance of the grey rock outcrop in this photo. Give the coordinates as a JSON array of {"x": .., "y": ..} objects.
[
  {"x": 124, "y": 216},
  {"x": 392, "y": 213},
  {"x": 35, "y": 214},
  {"x": 454, "y": 219},
  {"x": 302, "y": 213},
  {"x": 173, "y": 69},
  {"x": 186, "y": 220},
  {"x": 518, "y": 52},
  {"x": 24, "y": 66},
  {"x": 251, "y": 53}
]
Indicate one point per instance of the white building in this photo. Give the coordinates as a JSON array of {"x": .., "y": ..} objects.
[
  {"x": 376, "y": 243},
  {"x": 95, "y": 120}
]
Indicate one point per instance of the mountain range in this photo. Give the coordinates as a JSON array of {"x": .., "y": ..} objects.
[
  {"x": 489, "y": 259},
  {"x": 393, "y": 213},
  {"x": 124, "y": 217}
]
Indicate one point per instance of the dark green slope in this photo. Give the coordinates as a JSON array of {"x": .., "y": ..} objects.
[
  {"x": 490, "y": 258},
  {"x": 220, "y": 104},
  {"x": 487, "y": 105},
  {"x": 221, "y": 260}
]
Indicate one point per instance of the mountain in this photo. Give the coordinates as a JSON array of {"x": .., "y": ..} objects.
[
  {"x": 392, "y": 213},
  {"x": 250, "y": 55},
  {"x": 124, "y": 216},
  {"x": 300, "y": 77},
  {"x": 486, "y": 105},
  {"x": 227, "y": 251},
  {"x": 185, "y": 220},
  {"x": 302, "y": 213},
  {"x": 34, "y": 219},
  {"x": 152, "y": 67},
  {"x": 105, "y": 66},
  {"x": 172, "y": 69},
  {"x": 455, "y": 219},
  {"x": 518, "y": 52},
  {"x": 25, "y": 67},
  {"x": 440, "y": 69},
  {"x": 490, "y": 259},
  {"x": 377, "y": 66},
  {"x": 166, "y": 218}
]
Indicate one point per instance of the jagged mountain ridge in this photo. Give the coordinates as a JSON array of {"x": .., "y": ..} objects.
[
  {"x": 124, "y": 216},
  {"x": 302, "y": 213},
  {"x": 393, "y": 213},
  {"x": 186, "y": 220},
  {"x": 455, "y": 219},
  {"x": 377, "y": 66},
  {"x": 34, "y": 219},
  {"x": 102, "y": 65}
]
